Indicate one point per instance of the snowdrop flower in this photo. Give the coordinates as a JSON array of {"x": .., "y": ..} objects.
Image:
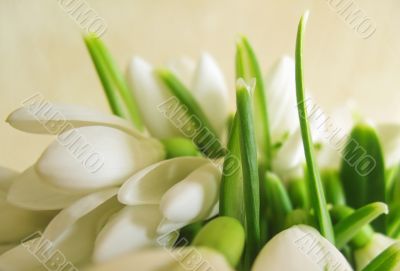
[
  {"x": 59, "y": 181},
  {"x": 300, "y": 246},
  {"x": 366, "y": 254},
  {"x": 92, "y": 151},
  {"x": 205, "y": 81},
  {"x": 17, "y": 223},
  {"x": 162, "y": 259},
  {"x": 70, "y": 235}
]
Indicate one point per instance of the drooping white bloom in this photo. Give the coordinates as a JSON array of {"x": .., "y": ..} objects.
[
  {"x": 300, "y": 247},
  {"x": 376, "y": 245},
  {"x": 71, "y": 234},
  {"x": 17, "y": 223},
  {"x": 205, "y": 82},
  {"x": 102, "y": 152},
  {"x": 163, "y": 259}
]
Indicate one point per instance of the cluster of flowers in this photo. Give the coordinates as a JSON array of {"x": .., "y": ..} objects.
[{"x": 109, "y": 195}]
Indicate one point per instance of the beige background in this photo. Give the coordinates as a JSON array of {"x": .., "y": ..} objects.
[{"x": 41, "y": 49}]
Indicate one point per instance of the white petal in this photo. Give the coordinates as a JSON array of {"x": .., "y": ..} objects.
[
  {"x": 71, "y": 215},
  {"x": 94, "y": 157},
  {"x": 168, "y": 227},
  {"x": 389, "y": 136},
  {"x": 149, "y": 185},
  {"x": 20, "y": 258},
  {"x": 161, "y": 259},
  {"x": 300, "y": 246},
  {"x": 131, "y": 229},
  {"x": 149, "y": 91},
  {"x": 72, "y": 233},
  {"x": 183, "y": 68},
  {"x": 6, "y": 176},
  {"x": 194, "y": 197},
  {"x": 290, "y": 156},
  {"x": 7, "y": 247},
  {"x": 17, "y": 223},
  {"x": 29, "y": 191},
  {"x": 210, "y": 90},
  {"x": 47, "y": 118},
  {"x": 281, "y": 93}
]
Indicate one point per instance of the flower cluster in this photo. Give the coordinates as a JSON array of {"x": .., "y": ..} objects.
[{"x": 194, "y": 185}]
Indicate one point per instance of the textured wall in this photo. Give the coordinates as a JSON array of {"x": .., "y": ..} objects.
[{"x": 41, "y": 49}]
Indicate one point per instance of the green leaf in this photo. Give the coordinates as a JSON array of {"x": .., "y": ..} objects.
[
  {"x": 365, "y": 234},
  {"x": 224, "y": 234},
  {"x": 393, "y": 221},
  {"x": 351, "y": 225},
  {"x": 362, "y": 170},
  {"x": 316, "y": 189},
  {"x": 251, "y": 185},
  {"x": 278, "y": 204},
  {"x": 231, "y": 193},
  {"x": 247, "y": 67},
  {"x": 206, "y": 132},
  {"x": 388, "y": 260},
  {"x": 179, "y": 146},
  {"x": 333, "y": 187},
  {"x": 120, "y": 97}
]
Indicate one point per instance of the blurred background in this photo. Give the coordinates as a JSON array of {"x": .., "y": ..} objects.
[{"x": 41, "y": 50}]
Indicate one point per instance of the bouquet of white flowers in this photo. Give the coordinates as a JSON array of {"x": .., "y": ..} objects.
[{"x": 176, "y": 180}]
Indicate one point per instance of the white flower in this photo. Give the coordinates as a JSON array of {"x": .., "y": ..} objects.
[
  {"x": 94, "y": 224},
  {"x": 205, "y": 81},
  {"x": 376, "y": 245},
  {"x": 17, "y": 223},
  {"x": 162, "y": 259},
  {"x": 300, "y": 247},
  {"x": 93, "y": 151},
  {"x": 160, "y": 200}
]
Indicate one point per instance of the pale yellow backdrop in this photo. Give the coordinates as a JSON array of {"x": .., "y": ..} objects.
[{"x": 41, "y": 50}]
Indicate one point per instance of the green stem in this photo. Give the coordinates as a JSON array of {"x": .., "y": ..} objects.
[
  {"x": 251, "y": 185},
  {"x": 316, "y": 189}
]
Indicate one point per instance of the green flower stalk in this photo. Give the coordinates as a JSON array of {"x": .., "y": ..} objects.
[{"x": 315, "y": 184}]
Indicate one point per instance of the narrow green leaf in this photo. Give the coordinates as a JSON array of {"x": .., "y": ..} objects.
[
  {"x": 231, "y": 193},
  {"x": 315, "y": 185},
  {"x": 362, "y": 170},
  {"x": 207, "y": 132},
  {"x": 115, "y": 102},
  {"x": 393, "y": 221},
  {"x": 348, "y": 227},
  {"x": 365, "y": 234},
  {"x": 277, "y": 203},
  {"x": 388, "y": 260},
  {"x": 113, "y": 81},
  {"x": 251, "y": 185},
  {"x": 247, "y": 67},
  {"x": 224, "y": 234},
  {"x": 393, "y": 185}
]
